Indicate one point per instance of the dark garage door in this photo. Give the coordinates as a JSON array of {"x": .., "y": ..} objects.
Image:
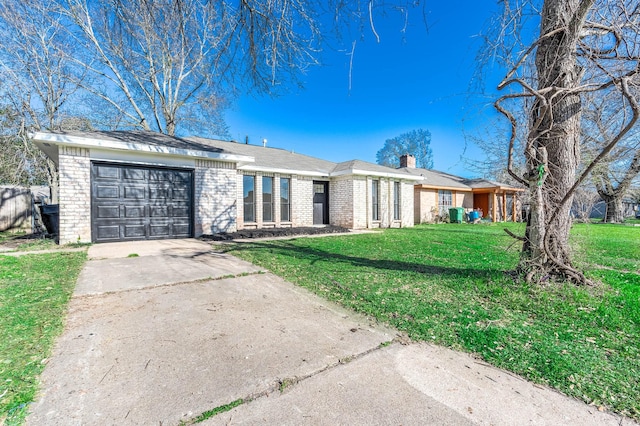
[{"x": 140, "y": 203}]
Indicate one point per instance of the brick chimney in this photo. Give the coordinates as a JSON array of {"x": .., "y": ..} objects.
[{"x": 408, "y": 160}]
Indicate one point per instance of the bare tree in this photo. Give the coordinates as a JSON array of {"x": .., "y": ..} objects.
[
  {"x": 584, "y": 199},
  {"x": 583, "y": 47},
  {"x": 37, "y": 84},
  {"x": 150, "y": 61},
  {"x": 614, "y": 175}
]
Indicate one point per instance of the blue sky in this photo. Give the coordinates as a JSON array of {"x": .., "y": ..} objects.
[{"x": 419, "y": 80}]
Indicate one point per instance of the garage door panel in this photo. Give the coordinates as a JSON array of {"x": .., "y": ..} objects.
[
  {"x": 135, "y": 192},
  {"x": 108, "y": 212},
  {"x": 134, "y": 211},
  {"x": 107, "y": 172},
  {"x": 159, "y": 193},
  {"x": 159, "y": 211},
  {"x": 179, "y": 211},
  {"x": 181, "y": 230},
  {"x": 133, "y": 203},
  {"x": 108, "y": 232},
  {"x": 160, "y": 176},
  {"x": 134, "y": 174},
  {"x": 134, "y": 231},
  {"x": 110, "y": 191},
  {"x": 180, "y": 194},
  {"x": 159, "y": 230}
]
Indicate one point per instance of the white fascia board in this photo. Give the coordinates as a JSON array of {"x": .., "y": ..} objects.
[
  {"x": 377, "y": 174},
  {"x": 252, "y": 168},
  {"x": 83, "y": 142}
]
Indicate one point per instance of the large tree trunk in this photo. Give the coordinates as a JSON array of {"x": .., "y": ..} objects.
[
  {"x": 615, "y": 209},
  {"x": 553, "y": 142}
]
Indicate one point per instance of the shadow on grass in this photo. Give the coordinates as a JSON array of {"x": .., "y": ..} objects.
[{"x": 313, "y": 256}]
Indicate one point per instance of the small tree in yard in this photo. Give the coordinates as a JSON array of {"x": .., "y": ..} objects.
[
  {"x": 416, "y": 142},
  {"x": 583, "y": 47}
]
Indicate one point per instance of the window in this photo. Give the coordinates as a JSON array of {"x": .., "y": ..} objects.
[
  {"x": 285, "y": 201},
  {"x": 445, "y": 200},
  {"x": 396, "y": 200},
  {"x": 267, "y": 199},
  {"x": 375, "y": 197},
  {"x": 248, "y": 194}
]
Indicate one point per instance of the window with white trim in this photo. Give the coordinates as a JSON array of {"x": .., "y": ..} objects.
[
  {"x": 249, "y": 198},
  {"x": 396, "y": 200},
  {"x": 375, "y": 200},
  {"x": 445, "y": 200}
]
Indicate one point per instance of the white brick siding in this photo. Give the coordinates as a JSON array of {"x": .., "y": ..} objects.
[
  {"x": 215, "y": 197},
  {"x": 406, "y": 208},
  {"x": 361, "y": 202},
  {"x": 341, "y": 202},
  {"x": 74, "y": 195},
  {"x": 302, "y": 201}
]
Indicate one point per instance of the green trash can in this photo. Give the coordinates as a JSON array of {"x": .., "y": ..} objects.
[{"x": 456, "y": 214}]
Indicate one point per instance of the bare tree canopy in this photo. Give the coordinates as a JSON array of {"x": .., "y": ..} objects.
[
  {"x": 583, "y": 47},
  {"x": 415, "y": 142}
]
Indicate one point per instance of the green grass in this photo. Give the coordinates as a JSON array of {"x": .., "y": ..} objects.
[
  {"x": 20, "y": 241},
  {"x": 34, "y": 291},
  {"x": 211, "y": 413},
  {"x": 446, "y": 284}
]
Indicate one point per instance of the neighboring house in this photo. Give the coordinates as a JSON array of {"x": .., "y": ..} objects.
[
  {"x": 119, "y": 186},
  {"x": 436, "y": 192}
]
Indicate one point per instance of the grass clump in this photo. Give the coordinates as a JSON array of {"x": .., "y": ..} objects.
[
  {"x": 214, "y": 412},
  {"x": 447, "y": 284},
  {"x": 34, "y": 292}
]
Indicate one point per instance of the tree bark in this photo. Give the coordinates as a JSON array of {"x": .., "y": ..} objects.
[
  {"x": 552, "y": 153},
  {"x": 615, "y": 210}
]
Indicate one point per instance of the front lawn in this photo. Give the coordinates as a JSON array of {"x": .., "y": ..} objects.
[
  {"x": 446, "y": 284},
  {"x": 34, "y": 291}
]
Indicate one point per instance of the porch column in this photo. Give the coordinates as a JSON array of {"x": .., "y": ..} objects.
[
  {"x": 504, "y": 207},
  {"x": 514, "y": 198},
  {"x": 494, "y": 207}
]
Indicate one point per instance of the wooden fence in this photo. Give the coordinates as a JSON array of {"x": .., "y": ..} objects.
[{"x": 16, "y": 208}]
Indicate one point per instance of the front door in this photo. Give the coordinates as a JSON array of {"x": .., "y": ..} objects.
[
  {"x": 320, "y": 203},
  {"x": 481, "y": 202}
]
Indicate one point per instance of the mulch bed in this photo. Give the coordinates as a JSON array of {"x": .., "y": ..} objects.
[{"x": 274, "y": 232}]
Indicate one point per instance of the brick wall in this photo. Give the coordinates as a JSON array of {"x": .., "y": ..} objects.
[
  {"x": 361, "y": 209},
  {"x": 302, "y": 201},
  {"x": 361, "y": 202},
  {"x": 75, "y": 195},
  {"x": 426, "y": 205},
  {"x": 341, "y": 202},
  {"x": 406, "y": 205},
  {"x": 215, "y": 197}
]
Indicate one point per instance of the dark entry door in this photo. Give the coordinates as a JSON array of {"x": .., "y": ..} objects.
[
  {"x": 481, "y": 202},
  {"x": 320, "y": 203},
  {"x": 131, "y": 202}
]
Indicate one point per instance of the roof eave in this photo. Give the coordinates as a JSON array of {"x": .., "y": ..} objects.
[
  {"x": 444, "y": 187},
  {"x": 254, "y": 168},
  {"x": 48, "y": 139},
  {"x": 359, "y": 172}
]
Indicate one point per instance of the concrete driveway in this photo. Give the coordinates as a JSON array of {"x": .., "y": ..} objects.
[{"x": 178, "y": 330}]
